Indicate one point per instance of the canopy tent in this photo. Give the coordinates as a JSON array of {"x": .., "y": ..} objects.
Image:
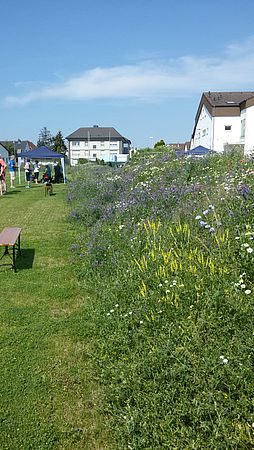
[
  {"x": 41, "y": 153},
  {"x": 200, "y": 151}
]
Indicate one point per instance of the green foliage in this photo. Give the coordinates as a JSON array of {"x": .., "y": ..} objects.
[
  {"x": 58, "y": 143},
  {"x": 160, "y": 143},
  {"x": 100, "y": 162},
  {"x": 235, "y": 151},
  {"x": 45, "y": 138},
  {"x": 166, "y": 252},
  {"x": 9, "y": 145},
  {"x": 83, "y": 161}
]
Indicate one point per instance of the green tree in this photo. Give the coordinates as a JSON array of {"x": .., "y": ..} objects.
[
  {"x": 160, "y": 143},
  {"x": 45, "y": 138},
  {"x": 58, "y": 143},
  {"x": 9, "y": 145}
]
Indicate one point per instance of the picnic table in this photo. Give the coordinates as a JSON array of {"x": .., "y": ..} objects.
[{"x": 10, "y": 237}]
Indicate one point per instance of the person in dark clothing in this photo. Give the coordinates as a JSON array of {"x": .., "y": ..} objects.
[
  {"x": 57, "y": 172},
  {"x": 47, "y": 174}
]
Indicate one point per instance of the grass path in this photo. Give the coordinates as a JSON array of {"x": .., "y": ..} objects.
[{"x": 48, "y": 399}]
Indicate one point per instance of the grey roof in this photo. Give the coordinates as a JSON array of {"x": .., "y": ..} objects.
[
  {"x": 23, "y": 146},
  {"x": 20, "y": 146},
  {"x": 94, "y": 133},
  {"x": 227, "y": 98}
]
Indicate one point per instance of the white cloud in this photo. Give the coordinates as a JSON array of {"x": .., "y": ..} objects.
[{"x": 154, "y": 79}]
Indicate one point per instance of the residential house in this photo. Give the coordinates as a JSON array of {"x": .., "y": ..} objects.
[
  {"x": 19, "y": 146},
  {"x": 4, "y": 152},
  {"x": 97, "y": 143},
  {"x": 225, "y": 120},
  {"x": 23, "y": 146},
  {"x": 179, "y": 146}
]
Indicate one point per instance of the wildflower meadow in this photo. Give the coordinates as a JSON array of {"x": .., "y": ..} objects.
[{"x": 166, "y": 255}]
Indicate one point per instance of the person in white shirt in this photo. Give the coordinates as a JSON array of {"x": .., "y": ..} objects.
[
  {"x": 36, "y": 171},
  {"x": 28, "y": 170}
]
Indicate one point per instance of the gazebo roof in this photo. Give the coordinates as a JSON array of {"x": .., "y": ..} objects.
[{"x": 41, "y": 153}]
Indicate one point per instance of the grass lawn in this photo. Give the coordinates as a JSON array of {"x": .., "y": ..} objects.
[{"x": 48, "y": 397}]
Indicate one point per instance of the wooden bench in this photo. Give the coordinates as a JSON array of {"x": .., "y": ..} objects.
[{"x": 10, "y": 237}]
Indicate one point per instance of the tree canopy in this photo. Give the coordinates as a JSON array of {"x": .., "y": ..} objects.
[
  {"x": 45, "y": 138},
  {"x": 58, "y": 143},
  {"x": 160, "y": 143}
]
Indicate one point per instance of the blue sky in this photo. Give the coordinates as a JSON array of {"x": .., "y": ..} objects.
[{"x": 139, "y": 66}]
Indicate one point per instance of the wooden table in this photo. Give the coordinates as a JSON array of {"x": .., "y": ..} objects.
[{"x": 10, "y": 237}]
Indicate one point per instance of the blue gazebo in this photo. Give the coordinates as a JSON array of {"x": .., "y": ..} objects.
[
  {"x": 41, "y": 153},
  {"x": 200, "y": 151}
]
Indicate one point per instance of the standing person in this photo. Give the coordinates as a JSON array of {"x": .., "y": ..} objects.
[
  {"x": 28, "y": 170},
  {"x": 57, "y": 172},
  {"x": 61, "y": 173},
  {"x": 48, "y": 172},
  {"x": 12, "y": 170},
  {"x": 36, "y": 171},
  {"x": 3, "y": 179}
]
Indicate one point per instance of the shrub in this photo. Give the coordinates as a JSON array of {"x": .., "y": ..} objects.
[{"x": 82, "y": 161}]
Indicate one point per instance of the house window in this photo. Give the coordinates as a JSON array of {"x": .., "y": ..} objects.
[
  {"x": 228, "y": 127},
  {"x": 86, "y": 144},
  {"x": 204, "y": 132},
  {"x": 102, "y": 144},
  {"x": 75, "y": 143},
  {"x": 94, "y": 155},
  {"x": 94, "y": 146}
]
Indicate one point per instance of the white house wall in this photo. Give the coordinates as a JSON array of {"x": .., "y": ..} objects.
[
  {"x": 4, "y": 153},
  {"x": 211, "y": 131},
  {"x": 216, "y": 132},
  {"x": 203, "y": 133},
  {"x": 223, "y": 136},
  {"x": 248, "y": 115},
  {"x": 92, "y": 150}
]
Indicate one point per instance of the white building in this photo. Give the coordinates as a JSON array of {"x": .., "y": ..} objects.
[
  {"x": 4, "y": 152},
  {"x": 223, "y": 120},
  {"x": 97, "y": 143}
]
